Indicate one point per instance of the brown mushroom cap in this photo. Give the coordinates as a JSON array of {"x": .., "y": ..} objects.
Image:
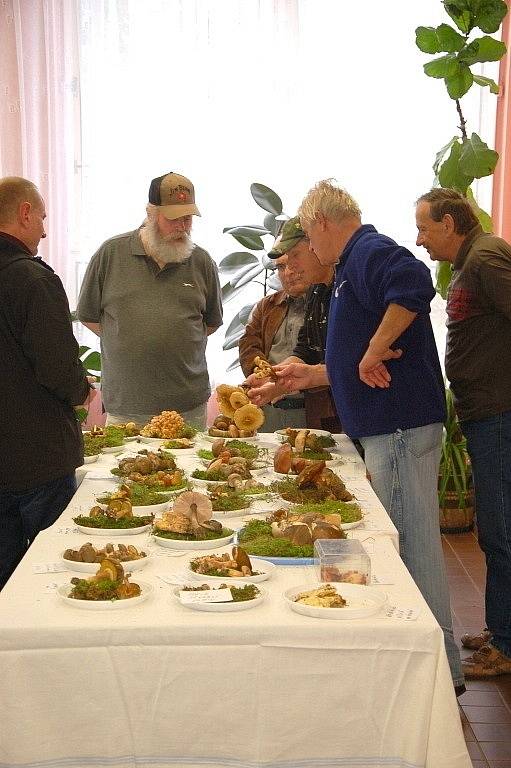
[
  {"x": 298, "y": 534},
  {"x": 217, "y": 446},
  {"x": 195, "y": 506},
  {"x": 300, "y": 439},
  {"x": 282, "y": 458}
]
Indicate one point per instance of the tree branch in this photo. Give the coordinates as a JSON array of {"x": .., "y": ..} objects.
[{"x": 463, "y": 122}]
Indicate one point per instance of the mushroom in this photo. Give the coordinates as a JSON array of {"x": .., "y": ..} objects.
[
  {"x": 235, "y": 480},
  {"x": 242, "y": 560},
  {"x": 298, "y": 534},
  {"x": 300, "y": 439},
  {"x": 282, "y": 459},
  {"x": 217, "y": 446},
  {"x": 195, "y": 506},
  {"x": 326, "y": 531}
]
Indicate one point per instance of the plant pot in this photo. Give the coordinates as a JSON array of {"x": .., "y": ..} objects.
[{"x": 452, "y": 518}]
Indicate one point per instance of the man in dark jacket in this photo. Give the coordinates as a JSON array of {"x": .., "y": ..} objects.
[{"x": 43, "y": 380}]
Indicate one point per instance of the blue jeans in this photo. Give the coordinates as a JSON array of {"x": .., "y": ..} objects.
[
  {"x": 24, "y": 513},
  {"x": 404, "y": 475},
  {"x": 489, "y": 448}
]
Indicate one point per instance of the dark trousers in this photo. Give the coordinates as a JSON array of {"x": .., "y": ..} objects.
[
  {"x": 489, "y": 448},
  {"x": 24, "y": 513}
]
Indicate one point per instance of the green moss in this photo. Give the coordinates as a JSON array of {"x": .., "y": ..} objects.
[
  {"x": 208, "y": 535},
  {"x": 229, "y": 502},
  {"x": 350, "y": 513},
  {"x": 257, "y": 539},
  {"x": 102, "y": 521},
  {"x": 318, "y": 455},
  {"x": 203, "y": 474},
  {"x": 203, "y": 453}
]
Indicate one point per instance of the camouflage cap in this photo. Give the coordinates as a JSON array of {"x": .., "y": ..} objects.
[
  {"x": 290, "y": 234},
  {"x": 174, "y": 195}
]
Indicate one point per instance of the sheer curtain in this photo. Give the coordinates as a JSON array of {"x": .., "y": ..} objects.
[{"x": 39, "y": 115}]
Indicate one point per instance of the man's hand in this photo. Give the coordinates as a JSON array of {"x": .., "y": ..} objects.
[
  {"x": 298, "y": 376},
  {"x": 372, "y": 370}
]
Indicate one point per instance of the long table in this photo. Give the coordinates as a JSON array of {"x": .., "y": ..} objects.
[{"x": 158, "y": 684}]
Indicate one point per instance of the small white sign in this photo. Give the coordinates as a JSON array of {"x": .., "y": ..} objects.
[
  {"x": 410, "y": 613},
  {"x": 206, "y": 596},
  {"x": 67, "y": 529}
]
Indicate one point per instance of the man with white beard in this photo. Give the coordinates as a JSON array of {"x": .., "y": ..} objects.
[{"x": 153, "y": 297}]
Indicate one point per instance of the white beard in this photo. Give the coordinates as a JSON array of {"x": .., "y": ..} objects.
[{"x": 169, "y": 249}]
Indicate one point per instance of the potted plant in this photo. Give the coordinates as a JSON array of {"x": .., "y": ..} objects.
[{"x": 455, "y": 492}]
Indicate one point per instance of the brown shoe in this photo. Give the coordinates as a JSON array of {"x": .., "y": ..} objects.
[
  {"x": 474, "y": 642},
  {"x": 486, "y": 662}
]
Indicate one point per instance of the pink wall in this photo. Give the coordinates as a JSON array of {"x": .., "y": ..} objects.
[{"x": 502, "y": 178}]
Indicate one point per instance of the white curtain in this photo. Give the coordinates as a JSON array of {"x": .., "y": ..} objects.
[{"x": 39, "y": 116}]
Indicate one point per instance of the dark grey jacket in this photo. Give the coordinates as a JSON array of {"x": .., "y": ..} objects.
[{"x": 41, "y": 378}]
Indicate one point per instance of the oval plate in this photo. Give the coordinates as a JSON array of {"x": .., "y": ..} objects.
[
  {"x": 229, "y": 607},
  {"x": 266, "y": 569},
  {"x": 361, "y": 601},
  {"x": 105, "y": 605},
  {"x": 113, "y": 531},
  {"x": 79, "y": 567},
  {"x": 203, "y": 544}
]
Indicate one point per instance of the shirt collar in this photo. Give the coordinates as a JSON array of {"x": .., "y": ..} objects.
[
  {"x": 466, "y": 246},
  {"x": 15, "y": 241}
]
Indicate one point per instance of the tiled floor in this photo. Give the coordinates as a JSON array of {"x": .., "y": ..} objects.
[{"x": 486, "y": 706}]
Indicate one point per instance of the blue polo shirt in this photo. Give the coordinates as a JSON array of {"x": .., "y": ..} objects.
[{"x": 372, "y": 273}]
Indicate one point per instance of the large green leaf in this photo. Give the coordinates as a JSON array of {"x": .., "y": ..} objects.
[
  {"x": 489, "y": 14},
  {"x": 229, "y": 292},
  {"x": 457, "y": 85},
  {"x": 271, "y": 223},
  {"x": 250, "y": 240},
  {"x": 460, "y": 13},
  {"x": 233, "y": 261},
  {"x": 444, "y": 66},
  {"x": 448, "y": 39},
  {"x": 482, "y": 49},
  {"x": 426, "y": 39},
  {"x": 234, "y": 326},
  {"x": 442, "y": 152},
  {"x": 477, "y": 159},
  {"x": 247, "y": 277},
  {"x": 92, "y": 362},
  {"x": 484, "y": 218},
  {"x": 232, "y": 366},
  {"x": 483, "y": 81},
  {"x": 450, "y": 173},
  {"x": 266, "y": 198},
  {"x": 443, "y": 278},
  {"x": 232, "y": 341}
]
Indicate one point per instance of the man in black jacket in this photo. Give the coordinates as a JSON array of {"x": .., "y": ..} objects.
[{"x": 42, "y": 380}]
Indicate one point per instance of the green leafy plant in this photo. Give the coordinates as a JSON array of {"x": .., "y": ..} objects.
[
  {"x": 455, "y": 471},
  {"x": 240, "y": 268},
  {"x": 464, "y": 158}
]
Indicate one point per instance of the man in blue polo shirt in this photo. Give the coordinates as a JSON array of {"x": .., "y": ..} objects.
[{"x": 383, "y": 368}]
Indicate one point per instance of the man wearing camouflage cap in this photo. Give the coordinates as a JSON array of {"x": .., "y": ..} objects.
[
  {"x": 268, "y": 336},
  {"x": 153, "y": 297}
]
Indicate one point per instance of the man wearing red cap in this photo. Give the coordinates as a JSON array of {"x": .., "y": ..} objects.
[{"x": 153, "y": 297}]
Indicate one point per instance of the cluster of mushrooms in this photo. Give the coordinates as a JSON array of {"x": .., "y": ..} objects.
[
  {"x": 238, "y": 416},
  {"x": 119, "y": 505},
  {"x": 88, "y": 553},
  {"x": 233, "y": 566},
  {"x": 191, "y": 514},
  {"x": 302, "y": 530},
  {"x": 111, "y": 570}
]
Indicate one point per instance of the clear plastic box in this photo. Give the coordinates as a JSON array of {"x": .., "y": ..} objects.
[{"x": 342, "y": 560}]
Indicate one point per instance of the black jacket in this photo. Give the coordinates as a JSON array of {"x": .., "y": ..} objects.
[{"x": 42, "y": 377}]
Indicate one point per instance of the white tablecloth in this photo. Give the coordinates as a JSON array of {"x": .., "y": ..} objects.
[{"x": 159, "y": 684}]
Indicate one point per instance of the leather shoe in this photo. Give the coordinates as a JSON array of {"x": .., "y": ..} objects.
[
  {"x": 488, "y": 661},
  {"x": 474, "y": 642}
]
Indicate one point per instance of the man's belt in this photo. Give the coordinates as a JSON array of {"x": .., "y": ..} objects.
[{"x": 290, "y": 403}]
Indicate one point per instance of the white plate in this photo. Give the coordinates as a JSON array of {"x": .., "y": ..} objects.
[
  {"x": 347, "y": 526},
  {"x": 361, "y": 601},
  {"x": 224, "y": 607},
  {"x": 90, "y": 459},
  {"x": 132, "y": 438},
  {"x": 230, "y": 512},
  {"x": 320, "y": 432},
  {"x": 113, "y": 449},
  {"x": 113, "y": 531},
  {"x": 105, "y": 605},
  {"x": 210, "y": 438},
  {"x": 212, "y": 483},
  {"x": 263, "y": 566},
  {"x": 128, "y": 565},
  {"x": 154, "y": 440},
  {"x": 203, "y": 544}
]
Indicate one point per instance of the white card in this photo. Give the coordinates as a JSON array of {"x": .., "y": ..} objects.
[
  {"x": 223, "y": 595},
  {"x": 407, "y": 613},
  {"x": 49, "y": 567},
  {"x": 51, "y": 587},
  {"x": 381, "y": 578},
  {"x": 67, "y": 529}
]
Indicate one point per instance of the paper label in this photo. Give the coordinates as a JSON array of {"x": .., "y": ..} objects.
[
  {"x": 49, "y": 567},
  {"x": 67, "y": 529},
  {"x": 410, "y": 613},
  {"x": 223, "y": 595}
]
